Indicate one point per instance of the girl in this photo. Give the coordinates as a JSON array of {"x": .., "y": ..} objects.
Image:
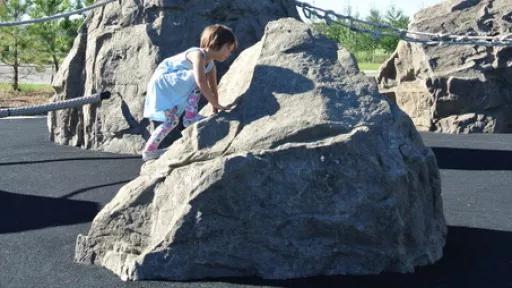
[{"x": 179, "y": 81}]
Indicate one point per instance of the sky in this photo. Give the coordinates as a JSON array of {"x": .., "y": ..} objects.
[{"x": 409, "y": 7}]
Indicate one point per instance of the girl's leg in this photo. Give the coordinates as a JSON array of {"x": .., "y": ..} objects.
[
  {"x": 172, "y": 120},
  {"x": 191, "y": 115}
]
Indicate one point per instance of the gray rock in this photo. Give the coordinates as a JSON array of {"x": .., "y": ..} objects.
[
  {"x": 312, "y": 173},
  {"x": 117, "y": 50},
  {"x": 455, "y": 89}
]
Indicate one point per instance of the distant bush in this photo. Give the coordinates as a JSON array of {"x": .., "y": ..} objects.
[{"x": 366, "y": 47}]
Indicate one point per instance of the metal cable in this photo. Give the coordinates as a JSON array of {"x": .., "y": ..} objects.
[
  {"x": 425, "y": 38},
  {"x": 43, "y": 108},
  {"x": 56, "y": 16},
  {"x": 330, "y": 17}
]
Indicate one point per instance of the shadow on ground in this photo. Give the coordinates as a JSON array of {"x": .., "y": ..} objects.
[
  {"x": 67, "y": 159},
  {"x": 21, "y": 212},
  {"x": 472, "y": 258},
  {"x": 472, "y": 159}
]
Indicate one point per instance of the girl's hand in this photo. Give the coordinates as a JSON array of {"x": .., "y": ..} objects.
[
  {"x": 230, "y": 106},
  {"x": 222, "y": 108},
  {"x": 217, "y": 107}
]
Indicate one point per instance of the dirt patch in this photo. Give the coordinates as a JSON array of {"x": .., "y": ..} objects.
[{"x": 11, "y": 99}]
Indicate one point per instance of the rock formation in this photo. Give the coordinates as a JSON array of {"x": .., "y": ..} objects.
[
  {"x": 455, "y": 89},
  {"x": 312, "y": 173},
  {"x": 117, "y": 50}
]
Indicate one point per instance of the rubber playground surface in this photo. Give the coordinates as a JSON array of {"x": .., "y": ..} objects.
[{"x": 49, "y": 194}]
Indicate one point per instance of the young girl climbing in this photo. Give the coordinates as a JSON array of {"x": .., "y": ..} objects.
[{"x": 179, "y": 81}]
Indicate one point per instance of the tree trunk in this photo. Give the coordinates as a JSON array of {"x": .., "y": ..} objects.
[
  {"x": 55, "y": 62},
  {"x": 16, "y": 65}
]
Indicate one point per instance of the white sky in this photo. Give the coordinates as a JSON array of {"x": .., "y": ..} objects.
[{"x": 409, "y": 7}]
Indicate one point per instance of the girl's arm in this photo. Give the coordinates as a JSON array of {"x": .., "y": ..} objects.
[
  {"x": 212, "y": 82},
  {"x": 199, "y": 63}
]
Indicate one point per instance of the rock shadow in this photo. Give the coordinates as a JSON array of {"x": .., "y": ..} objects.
[
  {"x": 136, "y": 127},
  {"x": 66, "y": 159},
  {"x": 472, "y": 258},
  {"x": 257, "y": 102},
  {"x": 260, "y": 99},
  {"x": 83, "y": 190},
  {"x": 19, "y": 212},
  {"x": 472, "y": 159}
]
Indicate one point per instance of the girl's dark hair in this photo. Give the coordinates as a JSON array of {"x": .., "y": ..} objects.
[{"x": 215, "y": 36}]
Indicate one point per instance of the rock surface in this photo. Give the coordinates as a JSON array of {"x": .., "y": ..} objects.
[
  {"x": 312, "y": 173},
  {"x": 455, "y": 89},
  {"x": 119, "y": 47}
]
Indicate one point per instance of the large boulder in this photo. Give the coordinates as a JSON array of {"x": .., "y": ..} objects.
[
  {"x": 119, "y": 47},
  {"x": 313, "y": 173},
  {"x": 455, "y": 89}
]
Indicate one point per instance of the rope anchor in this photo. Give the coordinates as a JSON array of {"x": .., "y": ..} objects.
[{"x": 59, "y": 105}]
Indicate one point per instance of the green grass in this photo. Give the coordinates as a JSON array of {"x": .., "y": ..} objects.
[
  {"x": 30, "y": 94},
  {"x": 27, "y": 87},
  {"x": 369, "y": 66}
]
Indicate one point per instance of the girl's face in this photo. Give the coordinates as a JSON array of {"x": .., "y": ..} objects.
[{"x": 225, "y": 51}]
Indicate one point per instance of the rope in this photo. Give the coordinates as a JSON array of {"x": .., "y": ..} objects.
[
  {"x": 330, "y": 17},
  {"x": 44, "y": 108},
  {"x": 56, "y": 16}
]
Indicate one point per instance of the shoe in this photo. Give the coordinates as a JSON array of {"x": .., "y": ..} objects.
[
  {"x": 188, "y": 122},
  {"x": 151, "y": 155}
]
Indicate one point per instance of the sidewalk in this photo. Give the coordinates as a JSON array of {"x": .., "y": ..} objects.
[{"x": 27, "y": 74}]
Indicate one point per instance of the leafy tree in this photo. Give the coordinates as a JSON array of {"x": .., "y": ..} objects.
[
  {"x": 350, "y": 39},
  {"x": 373, "y": 41},
  {"x": 82, "y": 3},
  {"x": 15, "y": 42},
  {"x": 364, "y": 45},
  {"x": 395, "y": 18},
  {"x": 53, "y": 37}
]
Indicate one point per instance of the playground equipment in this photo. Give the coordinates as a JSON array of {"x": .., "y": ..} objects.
[{"x": 58, "y": 105}]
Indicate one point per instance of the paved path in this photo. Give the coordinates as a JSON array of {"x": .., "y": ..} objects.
[
  {"x": 49, "y": 194},
  {"x": 26, "y": 74}
]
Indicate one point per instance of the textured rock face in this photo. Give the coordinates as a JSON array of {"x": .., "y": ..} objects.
[
  {"x": 312, "y": 173},
  {"x": 118, "y": 49},
  {"x": 455, "y": 89}
]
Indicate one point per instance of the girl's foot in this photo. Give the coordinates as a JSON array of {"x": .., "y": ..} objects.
[{"x": 151, "y": 155}]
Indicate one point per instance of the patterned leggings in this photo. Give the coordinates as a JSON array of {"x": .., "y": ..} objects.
[{"x": 172, "y": 118}]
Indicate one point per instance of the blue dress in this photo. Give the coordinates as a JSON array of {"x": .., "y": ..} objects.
[{"x": 171, "y": 84}]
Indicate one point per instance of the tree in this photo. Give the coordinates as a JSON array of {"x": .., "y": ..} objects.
[
  {"x": 352, "y": 40},
  {"x": 52, "y": 37},
  {"x": 366, "y": 45},
  {"x": 15, "y": 42},
  {"x": 373, "y": 41},
  {"x": 395, "y": 18}
]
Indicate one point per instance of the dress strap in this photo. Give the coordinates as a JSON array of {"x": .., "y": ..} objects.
[
  {"x": 209, "y": 67},
  {"x": 210, "y": 64}
]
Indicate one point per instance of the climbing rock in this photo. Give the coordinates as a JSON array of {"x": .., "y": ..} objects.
[
  {"x": 455, "y": 89},
  {"x": 119, "y": 47},
  {"x": 312, "y": 173}
]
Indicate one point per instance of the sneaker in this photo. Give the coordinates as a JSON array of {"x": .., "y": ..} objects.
[
  {"x": 151, "y": 155},
  {"x": 188, "y": 122}
]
